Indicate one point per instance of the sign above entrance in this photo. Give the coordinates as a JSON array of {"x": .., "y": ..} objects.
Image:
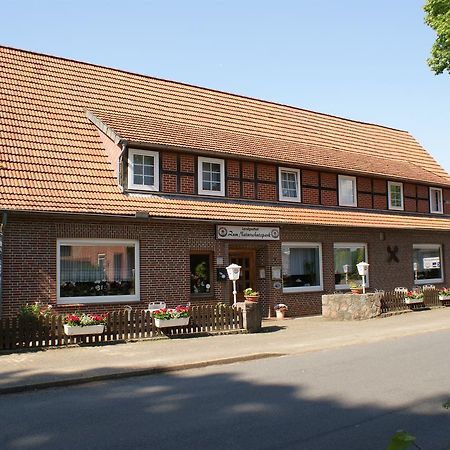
[{"x": 248, "y": 233}]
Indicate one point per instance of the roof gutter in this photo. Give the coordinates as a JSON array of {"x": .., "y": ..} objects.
[{"x": 2, "y": 231}]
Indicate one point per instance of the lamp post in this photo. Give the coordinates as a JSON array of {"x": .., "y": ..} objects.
[
  {"x": 234, "y": 272},
  {"x": 363, "y": 270}
]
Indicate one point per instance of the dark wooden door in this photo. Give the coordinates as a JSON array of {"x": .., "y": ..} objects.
[{"x": 247, "y": 260}]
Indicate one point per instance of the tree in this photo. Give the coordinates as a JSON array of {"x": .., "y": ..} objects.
[{"x": 437, "y": 16}]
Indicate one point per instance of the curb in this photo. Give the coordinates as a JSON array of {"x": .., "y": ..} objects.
[{"x": 135, "y": 373}]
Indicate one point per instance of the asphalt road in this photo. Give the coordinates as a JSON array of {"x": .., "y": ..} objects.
[{"x": 351, "y": 398}]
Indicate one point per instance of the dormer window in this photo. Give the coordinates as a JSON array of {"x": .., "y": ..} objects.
[
  {"x": 436, "y": 204},
  {"x": 347, "y": 191},
  {"x": 395, "y": 195},
  {"x": 143, "y": 170},
  {"x": 211, "y": 176},
  {"x": 289, "y": 184}
]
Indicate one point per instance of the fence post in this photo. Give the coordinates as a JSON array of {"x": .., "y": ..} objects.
[{"x": 252, "y": 316}]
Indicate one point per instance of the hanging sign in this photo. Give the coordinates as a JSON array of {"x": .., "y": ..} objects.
[{"x": 248, "y": 233}]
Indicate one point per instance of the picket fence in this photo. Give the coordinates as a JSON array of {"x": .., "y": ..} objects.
[
  {"x": 395, "y": 301},
  {"x": 121, "y": 325}
]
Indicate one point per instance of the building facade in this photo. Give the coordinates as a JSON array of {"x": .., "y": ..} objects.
[{"x": 119, "y": 189}]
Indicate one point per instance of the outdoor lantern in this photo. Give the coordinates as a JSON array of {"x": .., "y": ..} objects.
[
  {"x": 233, "y": 274},
  {"x": 346, "y": 268},
  {"x": 363, "y": 270}
]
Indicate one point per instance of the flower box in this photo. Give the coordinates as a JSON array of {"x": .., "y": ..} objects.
[
  {"x": 413, "y": 301},
  {"x": 251, "y": 298},
  {"x": 165, "y": 323},
  {"x": 79, "y": 331},
  {"x": 444, "y": 297}
]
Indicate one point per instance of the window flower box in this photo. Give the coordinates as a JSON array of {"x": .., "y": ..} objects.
[
  {"x": 71, "y": 330},
  {"x": 444, "y": 294},
  {"x": 165, "y": 323}
]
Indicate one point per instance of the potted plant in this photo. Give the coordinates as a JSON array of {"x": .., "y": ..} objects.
[
  {"x": 355, "y": 288},
  {"x": 280, "y": 310},
  {"x": 76, "y": 325},
  {"x": 166, "y": 317},
  {"x": 412, "y": 297},
  {"x": 250, "y": 295},
  {"x": 444, "y": 294}
]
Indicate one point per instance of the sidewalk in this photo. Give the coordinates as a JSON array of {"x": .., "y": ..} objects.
[{"x": 53, "y": 367}]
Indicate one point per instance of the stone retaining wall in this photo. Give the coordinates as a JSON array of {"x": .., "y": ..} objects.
[{"x": 351, "y": 306}]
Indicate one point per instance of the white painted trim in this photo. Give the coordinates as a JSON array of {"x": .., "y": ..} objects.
[
  {"x": 341, "y": 287},
  {"x": 317, "y": 288},
  {"x": 428, "y": 247},
  {"x": 390, "y": 206},
  {"x": 298, "y": 198},
  {"x": 140, "y": 187},
  {"x": 201, "y": 191},
  {"x": 105, "y": 298},
  {"x": 355, "y": 191},
  {"x": 441, "y": 210}
]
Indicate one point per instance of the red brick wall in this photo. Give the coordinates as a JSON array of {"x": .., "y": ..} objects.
[
  {"x": 256, "y": 180},
  {"x": 30, "y": 260}
]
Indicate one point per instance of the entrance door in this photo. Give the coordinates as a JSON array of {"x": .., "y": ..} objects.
[{"x": 247, "y": 260}]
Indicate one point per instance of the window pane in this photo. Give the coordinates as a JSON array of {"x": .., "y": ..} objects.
[
  {"x": 346, "y": 191},
  {"x": 289, "y": 184},
  {"x": 200, "y": 274},
  {"x": 301, "y": 266},
  {"x": 346, "y": 258},
  {"x": 97, "y": 270},
  {"x": 138, "y": 159},
  {"x": 395, "y": 191},
  {"x": 427, "y": 263},
  {"x": 144, "y": 170},
  {"x": 211, "y": 176},
  {"x": 138, "y": 179},
  {"x": 436, "y": 200},
  {"x": 149, "y": 181}
]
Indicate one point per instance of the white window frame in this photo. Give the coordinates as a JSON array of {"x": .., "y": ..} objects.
[
  {"x": 317, "y": 288},
  {"x": 342, "y": 287},
  {"x": 201, "y": 160},
  {"x": 431, "y": 280},
  {"x": 397, "y": 208},
  {"x": 97, "y": 299},
  {"x": 280, "y": 185},
  {"x": 131, "y": 153},
  {"x": 355, "y": 191},
  {"x": 441, "y": 209}
]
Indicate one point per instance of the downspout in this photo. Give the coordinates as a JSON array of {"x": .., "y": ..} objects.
[
  {"x": 121, "y": 171},
  {"x": 2, "y": 232}
]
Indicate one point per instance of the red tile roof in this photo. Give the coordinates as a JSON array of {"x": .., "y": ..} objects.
[{"x": 52, "y": 158}]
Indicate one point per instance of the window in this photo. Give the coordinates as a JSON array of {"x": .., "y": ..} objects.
[
  {"x": 436, "y": 201},
  {"x": 395, "y": 195},
  {"x": 211, "y": 176},
  {"x": 347, "y": 191},
  {"x": 200, "y": 273},
  {"x": 427, "y": 263},
  {"x": 289, "y": 184},
  {"x": 302, "y": 267},
  {"x": 143, "y": 170},
  {"x": 97, "y": 271},
  {"x": 346, "y": 256}
]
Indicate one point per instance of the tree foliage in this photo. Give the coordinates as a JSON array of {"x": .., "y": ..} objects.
[{"x": 437, "y": 16}]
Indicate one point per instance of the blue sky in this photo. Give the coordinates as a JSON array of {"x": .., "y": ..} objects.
[{"x": 364, "y": 60}]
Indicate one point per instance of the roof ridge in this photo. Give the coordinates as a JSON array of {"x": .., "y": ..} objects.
[{"x": 269, "y": 102}]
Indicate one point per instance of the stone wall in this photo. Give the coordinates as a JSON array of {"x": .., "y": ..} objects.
[{"x": 351, "y": 306}]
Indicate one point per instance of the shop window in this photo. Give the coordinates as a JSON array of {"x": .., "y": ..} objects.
[
  {"x": 200, "y": 273},
  {"x": 346, "y": 257},
  {"x": 302, "y": 267},
  {"x": 143, "y": 170},
  {"x": 395, "y": 195},
  {"x": 211, "y": 176},
  {"x": 289, "y": 184},
  {"x": 347, "y": 191},
  {"x": 436, "y": 201},
  {"x": 427, "y": 263},
  {"x": 97, "y": 271}
]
